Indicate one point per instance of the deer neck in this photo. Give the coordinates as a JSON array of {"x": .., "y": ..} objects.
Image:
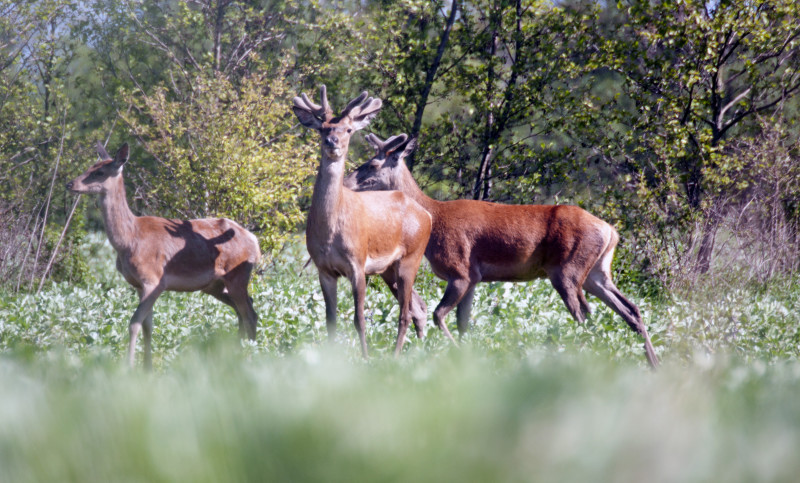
[
  {"x": 326, "y": 200},
  {"x": 119, "y": 220},
  {"x": 410, "y": 188}
]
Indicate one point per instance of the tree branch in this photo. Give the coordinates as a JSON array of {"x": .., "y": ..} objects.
[{"x": 729, "y": 105}]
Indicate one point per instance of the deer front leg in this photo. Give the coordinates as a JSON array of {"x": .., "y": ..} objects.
[
  {"x": 133, "y": 333},
  {"x": 456, "y": 289},
  {"x": 359, "y": 283},
  {"x": 328, "y": 285},
  {"x": 419, "y": 310},
  {"x": 143, "y": 316}
]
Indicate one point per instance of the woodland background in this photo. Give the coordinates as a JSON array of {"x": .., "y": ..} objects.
[{"x": 676, "y": 121}]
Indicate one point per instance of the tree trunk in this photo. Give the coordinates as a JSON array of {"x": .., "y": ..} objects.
[
  {"x": 430, "y": 75},
  {"x": 703, "y": 262},
  {"x": 480, "y": 190},
  {"x": 489, "y": 130}
]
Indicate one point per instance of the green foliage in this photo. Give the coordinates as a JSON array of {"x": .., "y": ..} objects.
[
  {"x": 201, "y": 95},
  {"x": 509, "y": 320},
  {"x": 504, "y": 83},
  {"x": 226, "y": 153},
  {"x": 692, "y": 75},
  {"x": 70, "y": 264},
  {"x": 632, "y": 110}
]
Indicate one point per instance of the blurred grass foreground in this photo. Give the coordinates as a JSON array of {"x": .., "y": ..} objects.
[{"x": 219, "y": 415}]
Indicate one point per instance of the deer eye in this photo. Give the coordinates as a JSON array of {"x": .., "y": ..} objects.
[{"x": 349, "y": 130}]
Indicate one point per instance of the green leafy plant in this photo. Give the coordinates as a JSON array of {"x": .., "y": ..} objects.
[{"x": 227, "y": 151}]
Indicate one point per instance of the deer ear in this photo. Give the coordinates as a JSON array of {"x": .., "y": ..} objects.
[
  {"x": 121, "y": 157},
  {"x": 409, "y": 147},
  {"x": 101, "y": 151},
  {"x": 306, "y": 118}
]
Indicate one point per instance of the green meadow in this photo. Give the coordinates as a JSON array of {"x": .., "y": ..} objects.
[{"x": 529, "y": 395}]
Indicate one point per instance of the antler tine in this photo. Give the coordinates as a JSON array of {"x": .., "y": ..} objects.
[
  {"x": 372, "y": 104},
  {"x": 394, "y": 142},
  {"x": 352, "y": 104},
  {"x": 323, "y": 96},
  {"x": 375, "y": 141},
  {"x": 322, "y": 111},
  {"x": 304, "y": 102}
]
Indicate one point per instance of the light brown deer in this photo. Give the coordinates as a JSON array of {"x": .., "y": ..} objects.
[
  {"x": 352, "y": 234},
  {"x": 213, "y": 255},
  {"x": 477, "y": 241}
]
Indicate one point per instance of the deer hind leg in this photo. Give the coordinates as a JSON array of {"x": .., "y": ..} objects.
[
  {"x": 219, "y": 292},
  {"x": 147, "y": 332},
  {"x": 463, "y": 312},
  {"x": 599, "y": 284},
  {"x": 406, "y": 272},
  {"x": 143, "y": 318},
  {"x": 419, "y": 310},
  {"x": 252, "y": 316},
  {"x": 419, "y": 313},
  {"x": 568, "y": 286},
  {"x": 236, "y": 285}
]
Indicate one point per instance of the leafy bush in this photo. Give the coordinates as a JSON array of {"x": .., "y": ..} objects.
[{"x": 227, "y": 150}]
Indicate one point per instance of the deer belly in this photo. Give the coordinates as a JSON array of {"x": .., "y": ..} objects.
[
  {"x": 510, "y": 273},
  {"x": 379, "y": 263},
  {"x": 197, "y": 281}
]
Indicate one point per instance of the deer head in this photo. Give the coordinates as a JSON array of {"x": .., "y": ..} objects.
[
  {"x": 335, "y": 131},
  {"x": 385, "y": 170},
  {"x": 98, "y": 179}
]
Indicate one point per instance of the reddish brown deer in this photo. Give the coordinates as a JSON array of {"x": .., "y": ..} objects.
[
  {"x": 477, "y": 241},
  {"x": 352, "y": 234},
  {"x": 213, "y": 255}
]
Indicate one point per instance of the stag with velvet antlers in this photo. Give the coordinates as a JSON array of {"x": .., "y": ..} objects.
[
  {"x": 213, "y": 255},
  {"x": 353, "y": 235},
  {"x": 477, "y": 241}
]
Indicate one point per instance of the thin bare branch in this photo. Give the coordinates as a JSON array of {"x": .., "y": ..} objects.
[
  {"x": 50, "y": 195},
  {"x": 58, "y": 245}
]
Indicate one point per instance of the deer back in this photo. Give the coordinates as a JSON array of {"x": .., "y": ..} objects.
[
  {"x": 499, "y": 241},
  {"x": 178, "y": 254}
]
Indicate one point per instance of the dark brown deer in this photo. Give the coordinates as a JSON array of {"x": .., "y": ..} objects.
[
  {"x": 213, "y": 255},
  {"x": 352, "y": 234},
  {"x": 477, "y": 241}
]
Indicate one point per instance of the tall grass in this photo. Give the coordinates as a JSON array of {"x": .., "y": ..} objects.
[{"x": 530, "y": 395}]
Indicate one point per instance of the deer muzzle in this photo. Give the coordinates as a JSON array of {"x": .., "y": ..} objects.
[{"x": 331, "y": 141}]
